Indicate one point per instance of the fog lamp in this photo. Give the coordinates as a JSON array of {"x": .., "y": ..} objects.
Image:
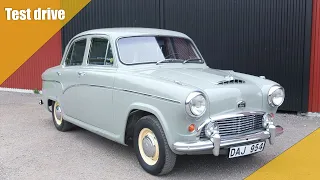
[
  {"x": 267, "y": 120},
  {"x": 211, "y": 129}
]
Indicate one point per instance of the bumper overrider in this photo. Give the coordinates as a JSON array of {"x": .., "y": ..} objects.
[{"x": 215, "y": 142}]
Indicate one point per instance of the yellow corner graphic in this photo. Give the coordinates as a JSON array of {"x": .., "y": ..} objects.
[
  {"x": 20, "y": 39},
  {"x": 301, "y": 161}
]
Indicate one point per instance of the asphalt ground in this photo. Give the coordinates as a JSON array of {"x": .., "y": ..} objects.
[{"x": 31, "y": 148}]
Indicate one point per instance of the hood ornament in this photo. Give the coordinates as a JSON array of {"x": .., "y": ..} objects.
[{"x": 229, "y": 78}]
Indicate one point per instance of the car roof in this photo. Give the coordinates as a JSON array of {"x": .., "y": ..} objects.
[{"x": 127, "y": 32}]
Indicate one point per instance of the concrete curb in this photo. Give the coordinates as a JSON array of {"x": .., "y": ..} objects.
[
  {"x": 28, "y": 91},
  {"x": 310, "y": 114}
]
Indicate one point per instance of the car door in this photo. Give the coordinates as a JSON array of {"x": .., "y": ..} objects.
[
  {"x": 71, "y": 98},
  {"x": 97, "y": 77}
]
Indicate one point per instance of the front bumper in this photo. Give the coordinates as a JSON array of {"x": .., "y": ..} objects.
[{"x": 216, "y": 142}]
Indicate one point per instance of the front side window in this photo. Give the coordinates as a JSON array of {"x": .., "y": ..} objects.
[
  {"x": 76, "y": 53},
  {"x": 100, "y": 52},
  {"x": 153, "y": 49}
]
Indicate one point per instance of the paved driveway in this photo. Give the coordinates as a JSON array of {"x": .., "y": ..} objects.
[{"x": 31, "y": 148}]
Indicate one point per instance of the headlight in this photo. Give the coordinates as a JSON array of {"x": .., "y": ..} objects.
[
  {"x": 276, "y": 96},
  {"x": 196, "y": 104}
]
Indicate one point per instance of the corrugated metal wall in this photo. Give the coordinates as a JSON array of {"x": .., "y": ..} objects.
[
  {"x": 314, "y": 95},
  {"x": 28, "y": 76},
  {"x": 258, "y": 37}
]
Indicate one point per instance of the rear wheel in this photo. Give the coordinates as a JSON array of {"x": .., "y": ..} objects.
[
  {"x": 58, "y": 121},
  {"x": 151, "y": 146}
]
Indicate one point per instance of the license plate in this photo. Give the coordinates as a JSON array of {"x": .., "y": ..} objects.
[{"x": 246, "y": 150}]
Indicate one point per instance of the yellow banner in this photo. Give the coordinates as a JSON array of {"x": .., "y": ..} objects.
[
  {"x": 302, "y": 161},
  {"x": 25, "y": 25}
]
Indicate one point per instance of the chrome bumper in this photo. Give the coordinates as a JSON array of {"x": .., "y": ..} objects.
[{"x": 215, "y": 142}]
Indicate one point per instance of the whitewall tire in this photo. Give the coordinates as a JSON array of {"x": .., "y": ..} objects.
[
  {"x": 58, "y": 120},
  {"x": 151, "y": 146}
]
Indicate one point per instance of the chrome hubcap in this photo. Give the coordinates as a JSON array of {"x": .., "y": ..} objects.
[
  {"x": 148, "y": 145},
  {"x": 57, "y": 113}
]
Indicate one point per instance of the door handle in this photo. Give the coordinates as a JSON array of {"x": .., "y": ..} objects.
[
  {"x": 59, "y": 73},
  {"x": 81, "y": 73}
]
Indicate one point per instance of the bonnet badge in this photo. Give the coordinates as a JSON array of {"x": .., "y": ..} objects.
[{"x": 241, "y": 104}]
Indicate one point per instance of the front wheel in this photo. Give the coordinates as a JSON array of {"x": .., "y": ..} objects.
[
  {"x": 58, "y": 121},
  {"x": 151, "y": 146}
]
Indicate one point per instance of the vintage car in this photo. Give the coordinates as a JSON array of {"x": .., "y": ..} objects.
[{"x": 151, "y": 89}]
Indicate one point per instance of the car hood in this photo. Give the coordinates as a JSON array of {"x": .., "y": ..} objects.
[
  {"x": 223, "y": 97},
  {"x": 202, "y": 78}
]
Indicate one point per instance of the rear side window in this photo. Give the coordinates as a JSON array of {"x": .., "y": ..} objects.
[
  {"x": 76, "y": 53},
  {"x": 100, "y": 52}
]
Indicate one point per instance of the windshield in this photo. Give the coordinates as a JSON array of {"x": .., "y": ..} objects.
[{"x": 156, "y": 49}]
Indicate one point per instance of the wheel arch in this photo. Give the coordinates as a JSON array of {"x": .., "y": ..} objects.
[
  {"x": 137, "y": 111},
  {"x": 49, "y": 102},
  {"x": 51, "y": 90}
]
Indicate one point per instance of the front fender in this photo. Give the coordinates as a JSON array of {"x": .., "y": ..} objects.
[{"x": 155, "y": 111}]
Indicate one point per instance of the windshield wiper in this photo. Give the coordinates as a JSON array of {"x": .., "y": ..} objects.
[
  {"x": 170, "y": 60},
  {"x": 185, "y": 61}
]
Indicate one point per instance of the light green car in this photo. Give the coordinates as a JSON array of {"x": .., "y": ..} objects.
[{"x": 151, "y": 89}]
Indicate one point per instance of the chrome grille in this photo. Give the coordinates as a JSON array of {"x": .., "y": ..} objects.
[
  {"x": 238, "y": 125},
  {"x": 233, "y": 81}
]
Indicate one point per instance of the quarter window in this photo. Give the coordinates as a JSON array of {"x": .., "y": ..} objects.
[
  {"x": 76, "y": 53},
  {"x": 100, "y": 52}
]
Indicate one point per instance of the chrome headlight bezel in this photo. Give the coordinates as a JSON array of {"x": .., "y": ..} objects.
[
  {"x": 189, "y": 104},
  {"x": 271, "y": 95}
]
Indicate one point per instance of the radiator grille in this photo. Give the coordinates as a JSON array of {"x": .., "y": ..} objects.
[{"x": 238, "y": 125}]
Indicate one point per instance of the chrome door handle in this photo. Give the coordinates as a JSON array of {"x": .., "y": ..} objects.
[
  {"x": 59, "y": 73},
  {"x": 81, "y": 73}
]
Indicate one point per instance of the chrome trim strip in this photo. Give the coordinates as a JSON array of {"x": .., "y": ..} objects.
[
  {"x": 149, "y": 95},
  {"x": 90, "y": 85},
  {"x": 53, "y": 81},
  {"x": 125, "y": 90}
]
